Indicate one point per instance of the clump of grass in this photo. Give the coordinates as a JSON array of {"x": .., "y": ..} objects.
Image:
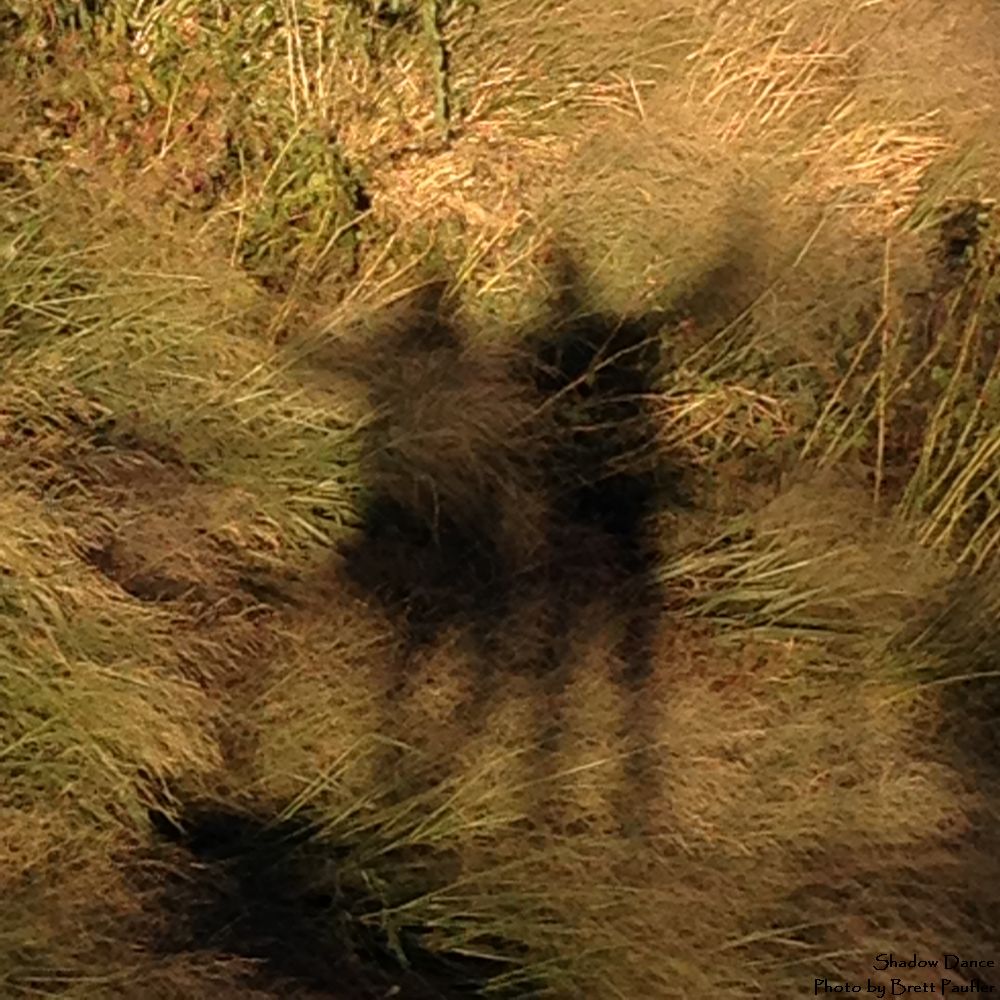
[
  {"x": 921, "y": 414},
  {"x": 91, "y": 700},
  {"x": 95, "y": 722},
  {"x": 804, "y": 567},
  {"x": 216, "y": 396}
]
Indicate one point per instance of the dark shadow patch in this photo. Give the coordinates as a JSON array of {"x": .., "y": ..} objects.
[
  {"x": 278, "y": 891},
  {"x": 430, "y": 574},
  {"x": 450, "y": 474},
  {"x": 957, "y": 640},
  {"x": 963, "y": 226},
  {"x": 607, "y": 477}
]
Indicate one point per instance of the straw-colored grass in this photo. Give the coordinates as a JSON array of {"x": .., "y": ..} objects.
[
  {"x": 770, "y": 759},
  {"x": 208, "y": 211}
]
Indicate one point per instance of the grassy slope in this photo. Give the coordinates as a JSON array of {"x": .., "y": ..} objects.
[{"x": 201, "y": 201}]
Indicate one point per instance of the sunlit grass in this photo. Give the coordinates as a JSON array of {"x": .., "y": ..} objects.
[{"x": 205, "y": 208}]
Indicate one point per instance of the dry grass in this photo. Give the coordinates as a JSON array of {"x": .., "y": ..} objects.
[
  {"x": 777, "y": 766},
  {"x": 205, "y": 209}
]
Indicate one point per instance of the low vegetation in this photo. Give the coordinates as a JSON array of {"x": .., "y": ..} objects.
[{"x": 500, "y": 499}]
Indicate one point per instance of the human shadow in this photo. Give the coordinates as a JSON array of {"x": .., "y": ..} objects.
[{"x": 511, "y": 496}]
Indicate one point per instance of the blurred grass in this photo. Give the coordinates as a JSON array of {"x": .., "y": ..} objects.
[{"x": 197, "y": 198}]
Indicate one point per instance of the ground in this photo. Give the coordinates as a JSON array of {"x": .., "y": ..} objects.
[{"x": 500, "y": 499}]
